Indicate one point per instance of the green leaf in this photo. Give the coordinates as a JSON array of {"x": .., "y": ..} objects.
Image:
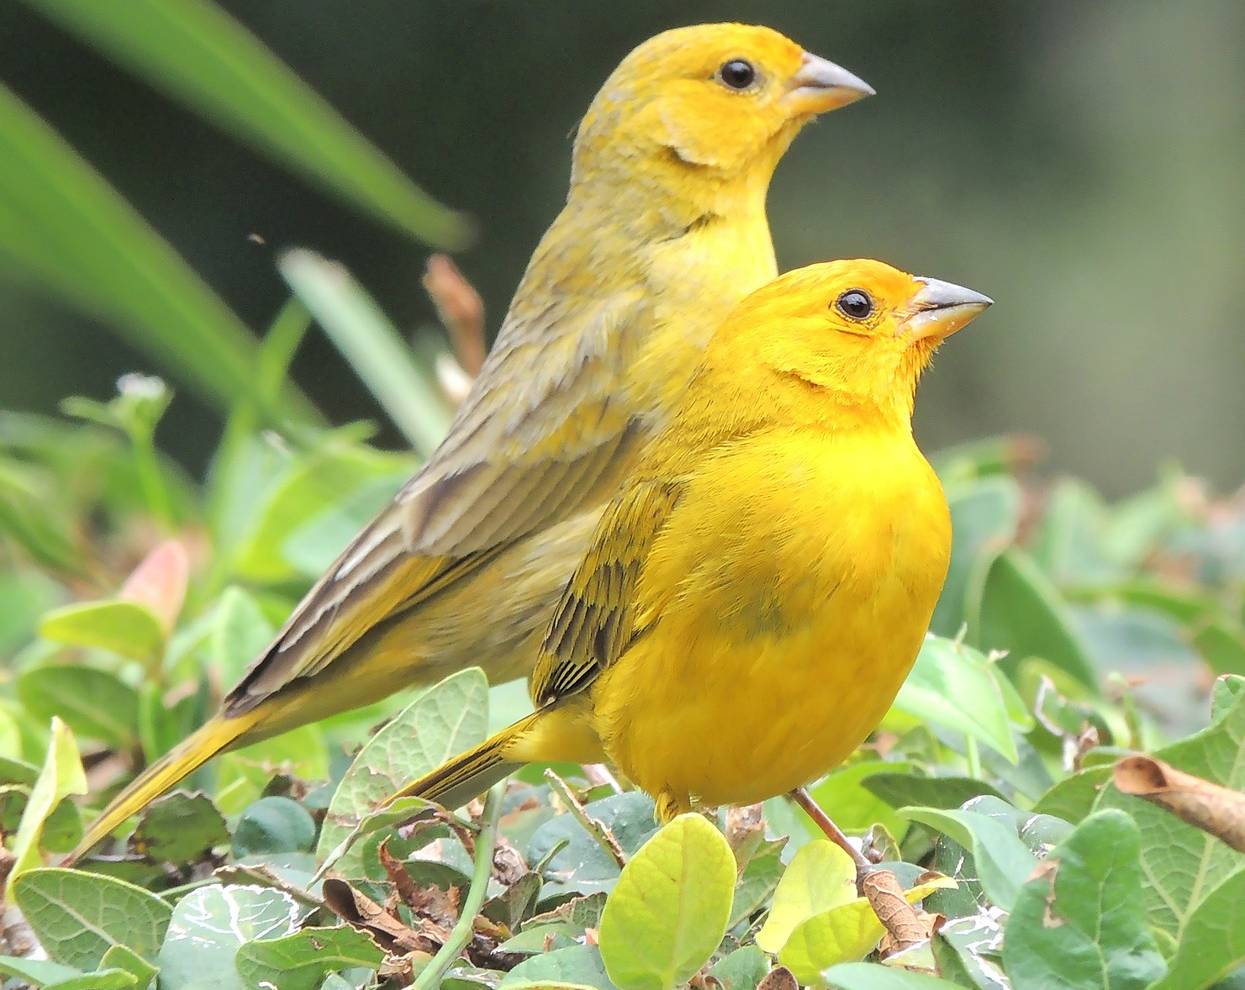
[
  {"x": 867, "y": 976},
  {"x": 952, "y": 685},
  {"x": 61, "y": 776},
  {"x": 845, "y": 933},
  {"x": 240, "y": 631},
  {"x": 273, "y": 825},
  {"x": 1017, "y": 609},
  {"x": 37, "y": 972},
  {"x": 899, "y": 790},
  {"x": 78, "y": 916},
  {"x": 101, "y": 979},
  {"x": 984, "y": 515},
  {"x": 578, "y": 965},
  {"x": 1002, "y": 860},
  {"x": 856, "y": 808},
  {"x": 1180, "y": 862},
  {"x": 1080, "y": 923},
  {"x": 448, "y": 718},
  {"x": 314, "y": 485},
  {"x": 1073, "y": 797},
  {"x": 196, "y": 53},
  {"x": 243, "y": 774},
  {"x": 127, "y": 628},
  {"x": 669, "y": 910},
  {"x": 1213, "y": 941},
  {"x": 63, "y": 224},
  {"x": 211, "y": 923},
  {"x": 576, "y": 861},
  {"x": 742, "y": 969},
  {"x": 122, "y": 957},
  {"x": 302, "y": 960},
  {"x": 1068, "y": 544},
  {"x": 821, "y": 876},
  {"x": 409, "y": 393},
  {"x": 93, "y": 702},
  {"x": 758, "y": 879},
  {"x": 179, "y": 827}
]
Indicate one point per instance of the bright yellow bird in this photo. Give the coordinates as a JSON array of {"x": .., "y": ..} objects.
[
  {"x": 757, "y": 590},
  {"x": 663, "y": 231}
]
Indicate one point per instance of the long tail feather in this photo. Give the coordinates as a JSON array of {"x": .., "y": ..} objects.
[
  {"x": 470, "y": 774},
  {"x": 175, "y": 765}
]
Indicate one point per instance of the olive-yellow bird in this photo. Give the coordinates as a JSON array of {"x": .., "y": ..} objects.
[
  {"x": 664, "y": 229},
  {"x": 758, "y": 588}
]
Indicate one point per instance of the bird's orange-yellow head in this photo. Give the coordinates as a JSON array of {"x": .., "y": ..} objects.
[
  {"x": 715, "y": 101},
  {"x": 855, "y": 333}
]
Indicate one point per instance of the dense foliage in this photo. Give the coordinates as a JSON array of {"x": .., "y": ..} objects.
[{"x": 134, "y": 596}]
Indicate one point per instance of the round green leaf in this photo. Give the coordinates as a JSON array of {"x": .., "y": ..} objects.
[
  {"x": 274, "y": 825},
  {"x": 669, "y": 909}
]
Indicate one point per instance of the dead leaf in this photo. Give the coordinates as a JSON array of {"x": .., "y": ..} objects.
[
  {"x": 779, "y": 978},
  {"x": 361, "y": 912},
  {"x": 1203, "y": 804},
  {"x": 905, "y": 925},
  {"x": 461, "y": 311}
]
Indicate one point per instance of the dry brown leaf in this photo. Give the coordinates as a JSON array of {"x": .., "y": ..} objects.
[
  {"x": 460, "y": 309},
  {"x": 905, "y": 925},
  {"x": 361, "y": 912},
  {"x": 779, "y": 978},
  {"x": 1203, "y": 804}
]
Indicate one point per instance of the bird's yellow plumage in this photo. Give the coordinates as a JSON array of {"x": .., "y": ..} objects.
[
  {"x": 757, "y": 590},
  {"x": 664, "y": 229}
]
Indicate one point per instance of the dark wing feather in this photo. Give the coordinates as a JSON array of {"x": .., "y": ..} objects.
[{"x": 595, "y": 620}]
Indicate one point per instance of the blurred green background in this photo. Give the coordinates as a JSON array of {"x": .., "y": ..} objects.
[{"x": 1081, "y": 163}]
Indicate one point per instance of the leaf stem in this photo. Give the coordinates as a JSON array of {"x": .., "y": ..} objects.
[
  {"x": 973, "y": 755},
  {"x": 460, "y": 935}
]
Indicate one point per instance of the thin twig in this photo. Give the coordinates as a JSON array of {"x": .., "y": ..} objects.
[
  {"x": 602, "y": 835},
  {"x": 832, "y": 832},
  {"x": 464, "y": 928},
  {"x": 599, "y": 775}
]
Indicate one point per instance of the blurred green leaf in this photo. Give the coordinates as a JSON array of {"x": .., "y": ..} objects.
[
  {"x": 79, "y": 916},
  {"x": 898, "y": 790},
  {"x": 1015, "y": 608},
  {"x": 951, "y": 685},
  {"x": 61, "y": 776},
  {"x": 669, "y": 910},
  {"x": 101, "y": 979},
  {"x": 447, "y": 719},
  {"x": 302, "y": 960},
  {"x": 1068, "y": 545},
  {"x": 273, "y": 825},
  {"x": 198, "y": 54},
  {"x": 742, "y": 969},
  {"x": 1073, "y": 797},
  {"x": 179, "y": 827},
  {"x": 127, "y": 628},
  {"x": 820, "y": 876},
  {"x": 1213, "y": 941},
  {"x": 856, "y": 807},
  {"x": 578, "y": 965},
  {"x": 66, "y": 226},
  {"x": 240, "y": 632},
  {"x": 94, "y": 703},
  {"x": 984, "y": 516},
  {"x": 1080, "y": 922},
  {"x": 210, "y": 924},
  {"x": 242, "y": 774},
  {"x": 121, "y": 957},
  {"x": 408, "y": 392},
  {"x": 37, "y": 972},
  {"x": 868, "y": 976}
]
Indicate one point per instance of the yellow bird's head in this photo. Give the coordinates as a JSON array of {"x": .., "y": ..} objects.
[
  {"x": 714, "y": 101},
  {"x": 857, "y": 333}
]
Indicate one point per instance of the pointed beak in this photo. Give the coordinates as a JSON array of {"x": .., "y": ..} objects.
[
  {"x": 820, "y": 86},
  {"x": 940, "y": 308}
]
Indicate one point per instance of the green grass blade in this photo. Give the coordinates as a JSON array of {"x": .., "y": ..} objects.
[
  {"x": 62, "y": 224},
  {"x": 196, "y": 53},
  {"x": 407, "y": 391}
]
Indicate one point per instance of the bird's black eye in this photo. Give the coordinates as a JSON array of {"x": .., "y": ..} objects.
[
  {"x": 737, "y": 73},
  {"x": 854, "y": 304}
]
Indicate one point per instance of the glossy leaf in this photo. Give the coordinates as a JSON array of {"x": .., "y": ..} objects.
[
  {"x": 61, "y": 776},
  {"x": 301, "y": 961}
]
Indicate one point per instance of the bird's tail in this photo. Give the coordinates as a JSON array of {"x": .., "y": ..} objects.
[
  {"x": 470, "y": 774},
  {"x": 178, "y": 763}
]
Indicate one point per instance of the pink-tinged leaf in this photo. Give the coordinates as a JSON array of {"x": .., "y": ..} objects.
[{"x": 159, "y": 582}]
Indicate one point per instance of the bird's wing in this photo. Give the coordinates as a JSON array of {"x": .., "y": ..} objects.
[
  {"x": 596, "y": 618},
  {"x": 543, "y": 427}
]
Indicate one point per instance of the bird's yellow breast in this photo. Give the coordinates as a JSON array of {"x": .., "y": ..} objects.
[{"x": 785, "y": 601}]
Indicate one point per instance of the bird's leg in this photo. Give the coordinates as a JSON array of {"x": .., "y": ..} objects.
[{"x": 823, "y": 821}]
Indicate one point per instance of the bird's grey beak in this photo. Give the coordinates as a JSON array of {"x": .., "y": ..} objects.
[
  {"x": 940, "y": 308},
  {"x": 820, "y": 86}
]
